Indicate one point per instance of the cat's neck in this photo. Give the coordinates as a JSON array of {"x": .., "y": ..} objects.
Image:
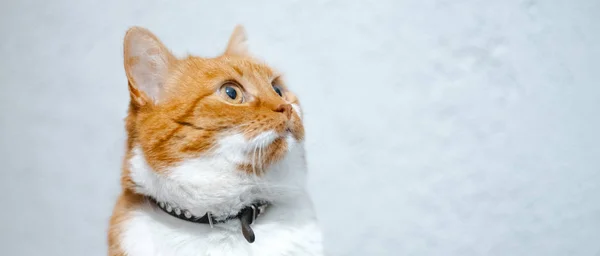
[{"x": 214, "y": 184}]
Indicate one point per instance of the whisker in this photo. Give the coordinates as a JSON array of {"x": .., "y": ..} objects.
[
  {"x": 262, "y": 148},
  {"x": 254, "y": 162},
  {"x": 268, "y": 188}
]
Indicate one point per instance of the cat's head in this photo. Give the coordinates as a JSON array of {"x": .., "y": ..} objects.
[{"x": 232, "y": 114}]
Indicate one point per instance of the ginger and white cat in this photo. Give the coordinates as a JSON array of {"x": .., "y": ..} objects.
[{"x": 210, "y": 137}]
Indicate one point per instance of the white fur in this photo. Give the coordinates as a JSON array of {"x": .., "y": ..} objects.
[
  {"x": 288, "y": 227},
  {"x": 296, "y": 108}
]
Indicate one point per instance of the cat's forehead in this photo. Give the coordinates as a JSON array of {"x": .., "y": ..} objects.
[
  {"x": 250, "y": 68},
  {"x": 228, "y": 67}
]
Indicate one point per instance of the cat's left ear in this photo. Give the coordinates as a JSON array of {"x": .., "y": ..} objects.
[
  {"x": 238, "y": 42},
  {"x": 147, "y": 63}
]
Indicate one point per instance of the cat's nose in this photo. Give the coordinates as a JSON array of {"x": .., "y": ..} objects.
[{"x": 285, "y": 109}]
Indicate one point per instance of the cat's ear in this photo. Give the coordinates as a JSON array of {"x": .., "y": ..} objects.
[
  {"x": 237, "y": 44},
  {"x": 147, "y": 63}
]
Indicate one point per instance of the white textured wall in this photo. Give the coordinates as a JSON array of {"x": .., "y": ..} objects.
[{"x": 434, "y": 127}]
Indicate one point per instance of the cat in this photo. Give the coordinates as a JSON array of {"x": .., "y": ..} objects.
[{"x": 214, "y": 162}]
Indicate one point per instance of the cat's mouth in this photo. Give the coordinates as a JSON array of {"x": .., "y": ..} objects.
[{"x": 293, "y": 128}]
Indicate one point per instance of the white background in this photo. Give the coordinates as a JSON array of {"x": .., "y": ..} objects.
[{"x": 448, "y": 127}]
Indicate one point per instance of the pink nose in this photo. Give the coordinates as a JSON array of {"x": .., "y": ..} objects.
[{"x": 285, "y": 109}]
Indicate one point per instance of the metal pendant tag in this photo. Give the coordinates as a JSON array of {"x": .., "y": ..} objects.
[{"x": 246, "y": 218}]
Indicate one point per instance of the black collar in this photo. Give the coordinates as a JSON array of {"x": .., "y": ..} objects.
[{"x": 246, "y": 216}]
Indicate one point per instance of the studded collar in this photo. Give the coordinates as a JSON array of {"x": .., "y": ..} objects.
[{"x": 246, "y": 216}]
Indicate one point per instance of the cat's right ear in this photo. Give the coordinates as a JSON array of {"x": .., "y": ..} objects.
[
  {"x": 147, "y": 63},
  {"x": 237, "y": 44}
]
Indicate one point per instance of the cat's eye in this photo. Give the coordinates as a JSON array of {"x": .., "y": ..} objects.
[
  {"x": 232, "y": 93},
  {"x": 278, "y": 90}
]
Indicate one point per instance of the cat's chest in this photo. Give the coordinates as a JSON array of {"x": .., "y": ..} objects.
[{"x": 143, "y": 235}]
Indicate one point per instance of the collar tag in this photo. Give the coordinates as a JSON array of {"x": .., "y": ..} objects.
[
  {"x": 210, "y": 219},
  {"x": 247, "y": 217}
]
